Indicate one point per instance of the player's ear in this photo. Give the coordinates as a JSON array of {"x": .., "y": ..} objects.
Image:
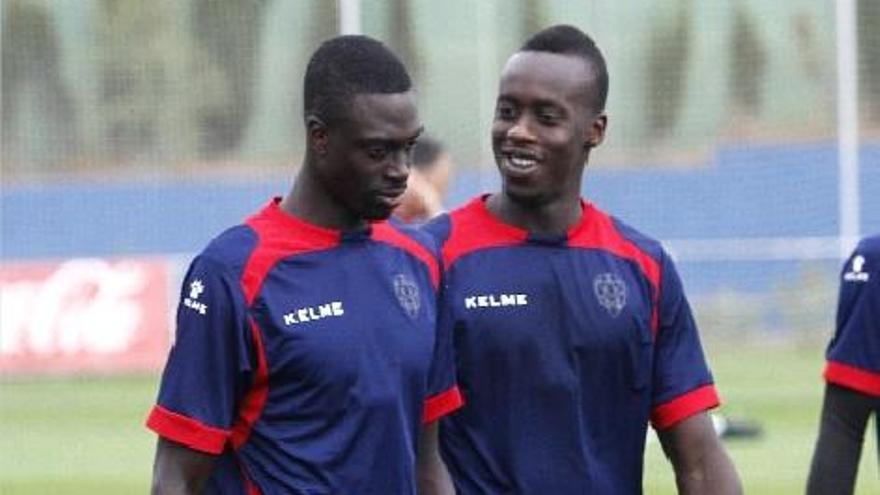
[
  {"x": 316, "y": 134},
  {"x": 596, "y": 130}
]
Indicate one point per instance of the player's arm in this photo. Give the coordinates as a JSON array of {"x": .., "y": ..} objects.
[
  {"x": 853, "y": 382},
  {"x": 684, "y": 394},
  {"x": 208, "y": 368},
  {"x": 845, "y": 416},
  {"x": 700, "y": 462},
  {"x": 178, "y": 469},
  {"x": 432, "y": 473}
]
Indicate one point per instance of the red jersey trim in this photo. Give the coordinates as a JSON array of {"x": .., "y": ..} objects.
[
  {"x": 684, "y": 406},
  {"x": 858, "y": 379},
  {"x": 255, "y": 399},
  {"x": 473, "y": 227},
  {"x": 442, "y": 404},
  {"x": 385, "y": 232},
  {"x": 187, "y": 431},
  {"x": 597, "y": 231},
  {"x": 280, "y": 235}
]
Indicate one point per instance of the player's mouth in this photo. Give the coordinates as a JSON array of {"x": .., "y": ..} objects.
[{"x": 518, "y": 162}]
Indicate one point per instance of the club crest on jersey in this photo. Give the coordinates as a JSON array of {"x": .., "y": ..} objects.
[
  {"x": 407, "y": 293},
  {"x": 196, "y": 287},
  {"x": 856, "y": 273},
  {"x": 610, "y": 291}
]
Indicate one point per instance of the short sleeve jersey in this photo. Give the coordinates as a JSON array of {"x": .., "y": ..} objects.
[
  {"x": 853, "y": 356},
  {"x": 308, "y": 358},
  {"x": 566, "y": 348}
]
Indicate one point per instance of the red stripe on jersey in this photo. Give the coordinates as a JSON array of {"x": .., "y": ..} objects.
[
  {"x": 596, "y": 230},
  {"x": 187, "y": 431},
  {"x": 684, "y": 406},
  {"x": 255, "y": 399},
  {"x": 858, "y": 379},
  {"x": 442, "y": 404},
  {"x": 280, "y": 235},
  {"x": 385, "y": 232},
  {"x": 473, "y": 227}
]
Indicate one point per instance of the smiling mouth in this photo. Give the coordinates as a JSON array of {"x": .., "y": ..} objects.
[{"x": 520, "y": 163}]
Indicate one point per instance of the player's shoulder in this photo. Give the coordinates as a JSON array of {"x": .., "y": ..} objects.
[
  {"x": 869, "y": 248},
  {"x": 230, "y": 250},
  {"x": 864, "y": 260},
  {"x": 418, "y": 234},
  {"x": 645, "y": 243},
  {"x": 438, "y": 228},
  {"x": 468, "y": 218}
]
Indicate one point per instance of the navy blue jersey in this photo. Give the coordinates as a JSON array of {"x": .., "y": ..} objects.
[
  {"x": 566, "y": 348},
  {"x": 308, "y": 358},
  {"x": 853, "y": 357}
]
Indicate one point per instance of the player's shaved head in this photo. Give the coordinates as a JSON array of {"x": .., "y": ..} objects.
[
  {"x": 563, "y": 39},
  {"x": 346, "y": 66}
]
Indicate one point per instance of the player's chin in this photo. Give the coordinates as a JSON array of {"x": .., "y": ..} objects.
[
  {"x": 378, "y": 211},
  {"x": 524, "y": 195}
]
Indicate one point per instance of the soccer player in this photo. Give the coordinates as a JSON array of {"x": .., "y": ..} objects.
[
  {"x": 571, "y": 329},
  {"x": 852, "y": 373},
  {"x": 306, "y": 358}
]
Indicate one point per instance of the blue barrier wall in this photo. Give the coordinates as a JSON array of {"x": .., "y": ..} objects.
[{"x": 744, "y": 192}]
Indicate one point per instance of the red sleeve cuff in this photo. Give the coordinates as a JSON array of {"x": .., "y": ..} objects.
[
  {"x": 442, "y": 404},
  {"x": 187, "y": 431},
  {"x": 858, "y": 379},
  {"x": 684, "y": 406}
]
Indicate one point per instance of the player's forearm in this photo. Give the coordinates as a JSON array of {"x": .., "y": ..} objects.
[
  {"x": 715, "y": 475},
  {"x": 433, "y": 477},
  {"x": 702, "y": 467},
  {"x": 835, "y": 461},
  {"x": 178, "y": 470}
]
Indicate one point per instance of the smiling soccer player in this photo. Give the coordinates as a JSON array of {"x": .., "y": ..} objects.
[{"x": 562, "y": 381}]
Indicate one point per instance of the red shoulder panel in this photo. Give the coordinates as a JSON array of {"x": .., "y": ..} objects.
[
  {"x": 473, "y": 227},
  {"x": 597, "y": 231}
]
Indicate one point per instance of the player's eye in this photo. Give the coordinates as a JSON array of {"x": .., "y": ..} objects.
[
  {"x": 505, "y": 111},
  {"x": 548, "y": 115},
  {"x": 377, "y": 153}
]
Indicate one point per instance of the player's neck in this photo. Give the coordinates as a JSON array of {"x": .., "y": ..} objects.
[
  {"x": 553, "y": 218},
  {"x": 310, "y": 201}
]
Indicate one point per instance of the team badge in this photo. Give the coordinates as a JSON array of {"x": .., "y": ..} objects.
[
  {"x": 610, "y": 292},
  {"x": 196, "y": 288},
  {"x": 857, "y": 273},
  {"x": 407, "y": 293},
  {"x": 192, "y": 302}
]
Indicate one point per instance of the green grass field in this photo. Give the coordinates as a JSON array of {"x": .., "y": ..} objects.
[{"x": 86, "y": 435}]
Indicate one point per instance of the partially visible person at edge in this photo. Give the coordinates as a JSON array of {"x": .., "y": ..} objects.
[
  {"x": 571, "y": 329},
  {"x": 852, "y": 375},
  {"x": 428, "y": 182},
  {"x": 306, "y": 359}
]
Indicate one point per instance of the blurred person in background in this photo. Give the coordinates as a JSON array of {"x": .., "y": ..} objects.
[
  {"x": 852, "y": 375},
  {"x": 572, "y": 331},
  {"x": 306, "y": 358},
  {"x": 428, "y": 182}
]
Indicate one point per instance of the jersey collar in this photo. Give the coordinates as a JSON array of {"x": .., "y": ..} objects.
[{"x": 506, "y": 231}]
